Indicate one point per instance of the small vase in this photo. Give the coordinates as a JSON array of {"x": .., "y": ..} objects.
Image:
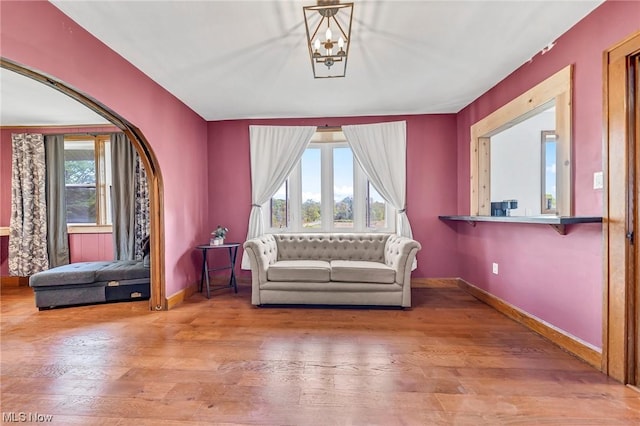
[{"x": 217, "y": 241}]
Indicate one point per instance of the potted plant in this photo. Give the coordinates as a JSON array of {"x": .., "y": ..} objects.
[{"x": 217, "y": 236}]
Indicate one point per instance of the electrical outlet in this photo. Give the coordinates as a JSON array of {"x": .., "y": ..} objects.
[
  {"x": 495, "y": 268},
  {"x": 598, "y": 180}
]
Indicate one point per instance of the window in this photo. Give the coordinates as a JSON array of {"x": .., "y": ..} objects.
[
  {"x": 279, "y": 207},
  {"x": 311, "y": 187},
  {"x": 87, "y": 172},
  {"x": 548, "y": 173},
  {"x": 343, "y": 188},
  {"x": 376, "y": 209},
  {"x": 328, "y": 171}
]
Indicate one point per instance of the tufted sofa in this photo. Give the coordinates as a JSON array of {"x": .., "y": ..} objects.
[{"x": 335, "y": 269}]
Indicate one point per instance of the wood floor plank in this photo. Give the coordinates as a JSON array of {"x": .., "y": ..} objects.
[
  {"x": 598, "y": 407},
  {"x": 448, "y": 360}
]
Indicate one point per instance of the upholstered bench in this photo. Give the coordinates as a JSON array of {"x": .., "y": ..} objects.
[
  {"x": 91, "y": 282},
  {"x": 332, "y": 269}
]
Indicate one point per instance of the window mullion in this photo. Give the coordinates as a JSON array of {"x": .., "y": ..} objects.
[
  {"x": 359, "y": 198},
  {"x": 327, "y": 202},
  {"x": 295, "y": 182}
]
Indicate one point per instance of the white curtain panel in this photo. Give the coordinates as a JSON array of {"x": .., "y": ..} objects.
[
  {"x": 28, "y": 223},
  {"x": 275, "y": 150},
  {"x": 381, "y": 150}
]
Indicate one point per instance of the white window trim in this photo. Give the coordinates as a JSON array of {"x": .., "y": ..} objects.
[
  {"x": 359, "y": 193},
  {"x": 89, "y": 229}
]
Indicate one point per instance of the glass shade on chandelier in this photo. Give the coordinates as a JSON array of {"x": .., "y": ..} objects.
[{"x": 328, "y": 27}]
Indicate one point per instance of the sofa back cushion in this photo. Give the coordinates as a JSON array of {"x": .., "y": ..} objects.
[{"x": 365, "y": 247}]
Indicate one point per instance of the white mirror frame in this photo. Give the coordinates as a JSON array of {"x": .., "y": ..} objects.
[{"x": 557, "y": 87}]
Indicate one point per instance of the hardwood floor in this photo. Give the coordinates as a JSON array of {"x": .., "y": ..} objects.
[{"x": 449, "y": 360}]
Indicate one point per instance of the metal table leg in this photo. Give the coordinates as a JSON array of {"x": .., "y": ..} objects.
[
  {"x": 205, "y": 273},
  {"x": 233, "y": 252}
]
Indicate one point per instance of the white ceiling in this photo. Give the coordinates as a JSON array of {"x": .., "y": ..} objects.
[
  {"x": 26, "y": 102},
  {"x": 248, "y": 59}
]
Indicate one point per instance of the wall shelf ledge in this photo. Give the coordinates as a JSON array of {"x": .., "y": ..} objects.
[{"x": 556, "y": 222}]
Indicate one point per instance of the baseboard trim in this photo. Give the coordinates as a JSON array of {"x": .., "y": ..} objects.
[
  {"x": 569, "y": 343},
  {"x": 179, "y": 297},
  {"x": 14, "y": 281},
  {"x": 633, "y": 388},
  {"x": 433, "y": 282}
]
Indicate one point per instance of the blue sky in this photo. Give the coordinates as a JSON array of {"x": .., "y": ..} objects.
[{"x": 342, "y": 175}]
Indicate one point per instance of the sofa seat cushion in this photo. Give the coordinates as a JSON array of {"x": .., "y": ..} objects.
[
  {"x": 362, "y": 271},
  {"x": 299, "y": 270}
]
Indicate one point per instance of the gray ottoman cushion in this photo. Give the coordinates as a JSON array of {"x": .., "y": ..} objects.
[
  {"x": 75, "y": 273},
  {"x": 122, "y": 270}
]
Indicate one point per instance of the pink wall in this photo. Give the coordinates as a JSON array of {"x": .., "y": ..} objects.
[
  {"x": 96, "y": 246},
  {"x": 59, "y": 47},
  {"x": 431, "y": 181},
  {"x": 4, "y": 256},
  {"x": 5, "y": 176},
  {"x": 5, "y": 198},
  {"x": 90, "y": 247},
  {"x": 556, "y": 278}
]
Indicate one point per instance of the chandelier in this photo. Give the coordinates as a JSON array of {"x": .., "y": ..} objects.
[{"x": 328, "y": 37}]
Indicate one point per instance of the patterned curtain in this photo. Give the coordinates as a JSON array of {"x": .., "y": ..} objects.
[
  {"x": 28, "y": 223},
  {"x": 142, "y": 218},
  {"x": 130, "y": 202}
]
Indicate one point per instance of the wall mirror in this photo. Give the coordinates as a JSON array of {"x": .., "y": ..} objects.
[
  {"x": 521, "y": 154},
  {"x": 523, "y": 165}
]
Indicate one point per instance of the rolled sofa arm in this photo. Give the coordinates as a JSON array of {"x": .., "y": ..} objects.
[
  {"x": 399, "y": 253},
  {"x": 262, "y": 252}
]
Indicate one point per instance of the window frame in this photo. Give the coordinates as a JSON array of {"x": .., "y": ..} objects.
[
  {"x": 360, "y": 199},
  {"x": 102, "y": 224},
  {"x": 557, "y": 87}
]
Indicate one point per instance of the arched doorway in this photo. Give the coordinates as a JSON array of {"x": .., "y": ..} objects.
[{"x": 157, "y": 300}]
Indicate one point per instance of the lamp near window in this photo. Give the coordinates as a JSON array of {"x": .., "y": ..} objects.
[{"x": 326, "y": 20}]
